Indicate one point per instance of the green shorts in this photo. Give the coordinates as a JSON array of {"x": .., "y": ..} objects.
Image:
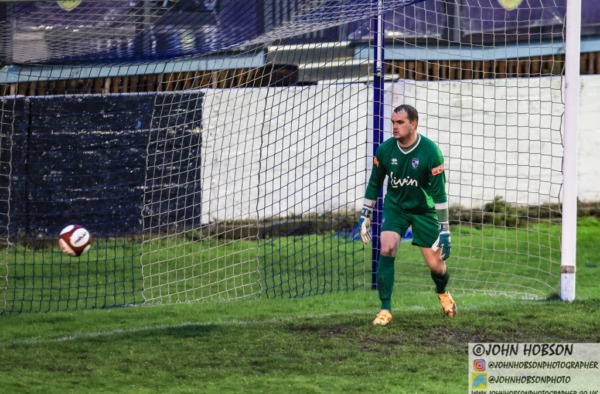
[{"x": 425, "y": 226}]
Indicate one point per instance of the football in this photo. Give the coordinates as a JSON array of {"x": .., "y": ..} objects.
[{"x": 74, "y": 240}]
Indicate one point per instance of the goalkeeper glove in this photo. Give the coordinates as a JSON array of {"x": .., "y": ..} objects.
[
  {"x": 443, "y": 241},
  {"x": 364, "y": 224}
]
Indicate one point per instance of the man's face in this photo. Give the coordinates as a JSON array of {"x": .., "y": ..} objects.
[{"x": 403, "y": 129}]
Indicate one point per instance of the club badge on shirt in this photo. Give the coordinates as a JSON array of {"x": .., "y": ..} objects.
[{"x": 415, "y": 162}]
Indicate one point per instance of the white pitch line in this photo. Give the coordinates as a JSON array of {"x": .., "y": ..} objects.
[{"x": 101, "y": 334}]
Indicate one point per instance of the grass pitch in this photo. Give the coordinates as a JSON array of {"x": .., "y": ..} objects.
[
  {"x": 318, "y": 344},
  {"x": 322, "y": 344}
]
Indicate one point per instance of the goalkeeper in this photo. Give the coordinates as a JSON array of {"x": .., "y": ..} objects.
[{"x": 416, "y": 196}]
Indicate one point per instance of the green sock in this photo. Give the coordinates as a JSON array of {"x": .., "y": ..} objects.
[
  {"x": 385, "y": 280},
  {"x": 440, "y": 281}
]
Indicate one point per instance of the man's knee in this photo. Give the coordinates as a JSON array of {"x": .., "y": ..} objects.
[
  {"x": 389, "y": 247},
  {"x": 389, "y": 243},
  {"x": 388, "y": 250},
  {"x": 437, "y": 265}
]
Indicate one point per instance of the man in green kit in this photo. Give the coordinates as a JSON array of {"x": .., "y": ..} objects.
[{"x": 416, "y": 196}]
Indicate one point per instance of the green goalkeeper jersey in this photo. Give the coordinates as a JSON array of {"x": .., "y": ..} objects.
[{"x": 416, "y": 178}]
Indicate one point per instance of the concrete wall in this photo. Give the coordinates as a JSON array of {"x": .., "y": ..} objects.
[{"x": 291, "y": 151}]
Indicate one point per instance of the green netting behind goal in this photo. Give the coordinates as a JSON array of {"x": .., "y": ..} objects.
[{"x": 214, "y": 156}]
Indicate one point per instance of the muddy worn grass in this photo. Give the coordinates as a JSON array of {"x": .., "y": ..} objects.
[{"x": 324, "y": 344}]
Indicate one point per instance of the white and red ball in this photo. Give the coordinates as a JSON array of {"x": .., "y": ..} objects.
[{"x": 74, "y": 240}]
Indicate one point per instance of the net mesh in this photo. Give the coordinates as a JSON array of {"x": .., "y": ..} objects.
[{"x": 218, "y": 157}]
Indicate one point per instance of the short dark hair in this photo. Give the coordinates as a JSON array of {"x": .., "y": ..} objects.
[{"x": 411, "y": 112}]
